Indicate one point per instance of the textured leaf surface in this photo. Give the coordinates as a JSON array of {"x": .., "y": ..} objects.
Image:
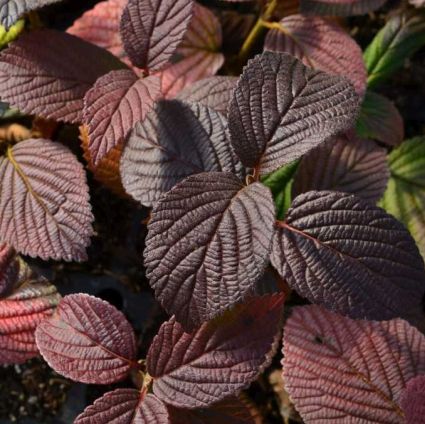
[
  {"x": 338, "y": 250},
  {"x": 174, "y": 141},
  {"x": 113, "y": 106},
  {"x": 346, "y": 164},
  {"x": 208, "y": 243},
  {"x": 413, "y": 400},
  {"x": 47, "y": 73},
  {"x": 87, "y": 340},
  {"x": 218, "y": 359},
  {"x": 152, "y": 30},
  {"x": 125, "y": 406},
  {"x": 339, "y": 7},
  {"x": 9, "y": 269},
  {"x": 282, "y": 109},
  {"x": 380, "y": 120},
  {"x": 339, "y": 370},
  {"x": 44, "y": 201},
  {"x": 320, "y": 44}
]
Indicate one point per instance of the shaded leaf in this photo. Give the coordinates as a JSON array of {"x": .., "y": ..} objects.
[
  {"x": 44, "y": 201},
  {"x": 87, "y": 340},
  {"x": 281, "y": 110},
  {"x": 413, "y": 400},
  {"x": 339, "y": 7},
  {"x": 338, "y": 250},
  {"x": 208, "y": 243},
  {"x": 351, "y": 371},
  {"x": 217, "y": 360},
  {"x": 9, "y": 269}
]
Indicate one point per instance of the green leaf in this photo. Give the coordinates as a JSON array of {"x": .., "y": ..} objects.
[
  {"x": 400, "y": 38},
  {"x": 7, "y": 36},
  {"x": 280, "y": 183},
  {"x": 405, "y": 194}
]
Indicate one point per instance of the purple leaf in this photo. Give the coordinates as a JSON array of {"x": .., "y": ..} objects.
[
  {"x": 345, "y": 165},
  {"x": 9, "y": 269},
  {"x": 208, "y": 243},
  {"x": 87, "y": 340},
  {"x": 339, "y": 370},
  {"x": 152, "y": 30},
  {"x": 340, "y": 251},
  {"x": 113, "y": 106},
  {"x": 339, "y": 7},
  {"x": 217, "y": 360},
  {"x": 174, "y": 141},
  {"x": 413, "y": 400},
  {"x": 44, "y": 201},
  {"x": 280, "y": 110},
  {"x": 125, "y": 406}
]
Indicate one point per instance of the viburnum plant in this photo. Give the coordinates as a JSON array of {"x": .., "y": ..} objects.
[{"x": 276, "y": 170}]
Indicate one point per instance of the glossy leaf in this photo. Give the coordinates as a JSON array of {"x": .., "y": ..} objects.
[
  {"x": 339, "y": 7},
  {"x": 208, "y": 243},
  {"x": 340, "y": 370},
  {"x": 9, "y": 269},
  {"x": 280, "y": 110},
  {"x": 217, "y": 360},
  {"x": 322, "y": 45},
  {"x": 125, "y": 406},
  {"x": 337, "y": 250},
  {"x": 346, "y": 163},
  {"x": 87, "y": 340},
  {"x": 47, "y": 73},
  {"x": 413, "y": 400},
  {"x": 174, "y": 141},
  {"x": 152, "y": 30},
  {"x": 44, "y": 201}
]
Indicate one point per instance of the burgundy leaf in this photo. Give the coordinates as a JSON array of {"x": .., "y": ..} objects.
[
  {"x": 152, "y": 30},
  {"x": 339, "y": 7},
  {"x": 9, "y": 269},
  {"x": 208, "y": 243},
  {"x": 340, "y": 370},
  {"x": 113, "y": 106},
  {"x": 125, "y": 406},
  {"x": 87, "y": 340},
  {"x": 174, "y": 141},
  {"x": 413, "y": 400},
  {"x": 322, "y": 45},
  {"x": 340, "y": 251},
  {"x": 47, "y": 73},
  {"x": 281, "y": 110},
  {"x": 217, "y": 360},
  {"x": 344, "y": 164},
  {"x": 44, "y": 201}
]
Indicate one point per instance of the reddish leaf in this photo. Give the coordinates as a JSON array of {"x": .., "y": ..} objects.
[
  {"x": 413, "y": 400},
  {"x": 339, "y": 7},
  {"x": 87, "y": 340},
  {"x": 217, "y": 360},
  {"x": 125, "y": 406},
  {"x": 9, "y": 269},
  {"x": 339, "y": 370},
  {"x": 113, "y": 106}
]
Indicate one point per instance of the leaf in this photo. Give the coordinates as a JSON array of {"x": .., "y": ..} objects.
[
  {"x": 113, "y": 106},
  {"x": 399, "y": 39},
  {"x": 208, "y": 243},
  {"x": 345, "y": 164},
  {"x": 9, "y": 269},
  {"x": 11, "y": 34},
  {"x": 87, "y": 340},
  {"x": 339, "y": 7},
  {"x": 47, "y": 73},
  {"x": 350, "y": 256},
  {"x": 151, "y": 31},
  {"x": 380, "y": 120},
  {"x": 217, "y": 360},
  {"x": 405, "y": 194},
  {"x": 413, "y": 400},
  {"x": 281, "y": 110},
  {"x": 44, "y": 201},
  {"x": 175, "y": 140},
  {"x": 125, "y": 406},
  {"x": 339, "y": 370},
  {"x": 322, "y": 45}
]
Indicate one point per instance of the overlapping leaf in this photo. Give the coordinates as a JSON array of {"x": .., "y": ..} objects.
[
  {"x": 281, "y": 110},
  {"x": 174, "y": 141},
  {"x": 348, "y": 164},
  {"x": 9, "y": 269},
  {"x": 44, "y": 201},
  {"x": 218, "y": 359},
  {"x": 340, "y": 251},
  {"x": 320, "y": 44},
  {"x": 125, "y": 406},
  {"x": 87, "y": 340},
  {"x": 339, "y": 370},
  {"x": 413, "y": 400},
  {"x": 339, "y": 7},
  {"x": 208, "y": 243}
]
